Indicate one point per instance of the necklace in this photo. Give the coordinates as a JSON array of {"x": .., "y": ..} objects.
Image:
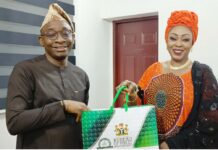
[{"x": 187, "y": 63}]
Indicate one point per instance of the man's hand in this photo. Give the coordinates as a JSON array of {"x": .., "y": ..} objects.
[{"x": 75, "y": 107}]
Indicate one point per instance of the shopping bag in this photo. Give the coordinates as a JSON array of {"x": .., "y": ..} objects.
[{"x": 128, "y": 127}]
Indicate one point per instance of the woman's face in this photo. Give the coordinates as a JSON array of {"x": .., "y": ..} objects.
[{"x": 179, "y": 43}]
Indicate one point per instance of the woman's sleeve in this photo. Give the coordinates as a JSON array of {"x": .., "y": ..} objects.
[
  {"x": 21, "y": 116},
  {"x": 208, "y": 111},
  {"x": 144, "y": 81},
  {"x": 203, "y": 132}
]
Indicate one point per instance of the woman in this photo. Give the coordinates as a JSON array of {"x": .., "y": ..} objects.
[{"x": 184, "y": 92}]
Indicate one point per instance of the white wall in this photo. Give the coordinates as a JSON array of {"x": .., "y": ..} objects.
[
  {"x": 94, "y": 36},
  {"x": 94, "y": 50},
  {"x": 7, "y": 141}
]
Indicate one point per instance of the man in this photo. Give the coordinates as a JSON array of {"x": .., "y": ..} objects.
[{"x": 47, "y": 94}]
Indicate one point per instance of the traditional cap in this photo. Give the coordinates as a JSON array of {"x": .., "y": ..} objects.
[
  {"x": 183, "y": 17},
  {"x": 55, "y": 12}
]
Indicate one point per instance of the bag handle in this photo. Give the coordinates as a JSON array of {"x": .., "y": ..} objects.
[{"x": 116, "y": 97}]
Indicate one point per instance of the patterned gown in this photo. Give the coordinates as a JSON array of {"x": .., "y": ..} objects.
[{"x": 172, "y": 96}]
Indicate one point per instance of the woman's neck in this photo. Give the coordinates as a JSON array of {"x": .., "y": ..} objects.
[
  {"x": 177, "y": 66},
  {"x": 179, "y": 71}
]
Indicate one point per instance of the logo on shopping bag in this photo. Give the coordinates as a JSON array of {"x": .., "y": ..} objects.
[
  {"x": 121, "y": 129},
  {"x": 122, "y": 139},
  {"x": 104, "y": 143}
]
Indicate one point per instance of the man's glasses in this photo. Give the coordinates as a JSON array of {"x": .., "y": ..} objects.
[{"x": 52, "y": 35}]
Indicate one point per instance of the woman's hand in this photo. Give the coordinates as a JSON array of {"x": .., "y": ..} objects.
[
  {"x": 131, "y": 87},
  {"x": 76, "y": 107},
  {"x": 132, "y": 90},
  {"x": 164, "y": 145}
]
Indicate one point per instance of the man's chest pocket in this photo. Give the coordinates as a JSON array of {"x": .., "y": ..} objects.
[{"x": 78, "y": 95}]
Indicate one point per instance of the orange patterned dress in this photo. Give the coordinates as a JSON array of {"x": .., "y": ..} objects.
[{"x": 172, "y": 96}]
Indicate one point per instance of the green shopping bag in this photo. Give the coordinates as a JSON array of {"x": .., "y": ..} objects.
[{"x": 128, "y": 127}]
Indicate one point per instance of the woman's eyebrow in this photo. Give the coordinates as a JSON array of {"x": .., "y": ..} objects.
[{"x": 186, "y": 34}]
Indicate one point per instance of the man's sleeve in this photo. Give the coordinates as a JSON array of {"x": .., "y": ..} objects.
[{"x": 21, "y": 116}]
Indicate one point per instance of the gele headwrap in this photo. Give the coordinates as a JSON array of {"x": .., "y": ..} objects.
[
  {"x": 183, "y": 17},
  {"x": 55, "y": 12}
]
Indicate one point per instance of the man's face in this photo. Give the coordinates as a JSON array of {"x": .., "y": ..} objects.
[{"x": 57, "y": 39}]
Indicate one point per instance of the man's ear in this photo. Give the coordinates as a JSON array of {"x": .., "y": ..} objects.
[{"x": 41, "y": 42}]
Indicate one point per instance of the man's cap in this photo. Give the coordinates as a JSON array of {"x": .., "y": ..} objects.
[{"x": 55, "y": 12}]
